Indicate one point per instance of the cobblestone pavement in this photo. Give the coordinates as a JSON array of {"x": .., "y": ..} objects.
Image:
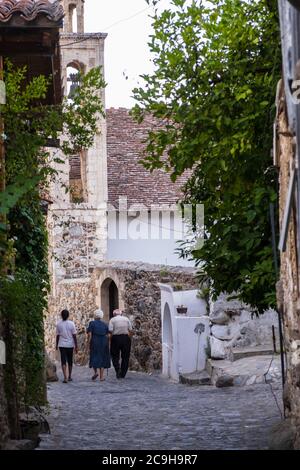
[{"x": 149, "y": 412}]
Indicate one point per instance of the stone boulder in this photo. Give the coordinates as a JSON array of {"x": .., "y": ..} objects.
[
  {"x": 217, "y": 348},
  {"x": 225, "y": 381},
  {"x": 222, "y": 310},
  {"x": 32, "y": 424},
  {"x": 223, "y": 332},
  {"x": 219, "y": 317},
  {"x": 51, "y": 374}
]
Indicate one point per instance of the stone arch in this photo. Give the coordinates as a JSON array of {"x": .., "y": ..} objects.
[
  {"x": 109, "y": 298},
  {"x": 76, "y": 64},
  {"x": 101, "y": 277},
  {"x": 168, "y": 342},
  {"x": 73, "y": 68}
]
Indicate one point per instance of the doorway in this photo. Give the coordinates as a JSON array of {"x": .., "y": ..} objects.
[{"x": 109, "y": 298}]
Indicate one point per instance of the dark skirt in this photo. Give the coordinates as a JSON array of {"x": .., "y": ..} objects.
[{"x": 99, "y": 353}]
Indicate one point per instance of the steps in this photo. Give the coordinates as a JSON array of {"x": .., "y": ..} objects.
[
  {"x": 245, "y": 371},
  {"x": 195, "y": 378},
  {"x": 245, "y": 366},
  {"x": 241, "y": 353}
]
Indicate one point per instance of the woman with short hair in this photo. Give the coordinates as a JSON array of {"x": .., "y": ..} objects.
[{"x": 99, "y": 346}]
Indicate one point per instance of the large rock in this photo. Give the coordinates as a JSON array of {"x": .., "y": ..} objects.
[
  {"x": 222, "y": 332},
  {"x": 51, "y": 374},
  {"x": 225, "y": 381},
  {"x": 217, "y": 349},
  {"x": 32, "y": 424},
  {"x": 223, "y": 310},
  {"x": 219, "y": 317}
]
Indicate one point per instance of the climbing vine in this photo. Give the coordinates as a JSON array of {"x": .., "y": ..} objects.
[{"x": 24, "y": 281}]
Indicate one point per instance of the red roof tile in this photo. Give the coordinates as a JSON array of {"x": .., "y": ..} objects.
[
  {"x": 126, "y": 176},
  {"x": 29, "y": 10}
]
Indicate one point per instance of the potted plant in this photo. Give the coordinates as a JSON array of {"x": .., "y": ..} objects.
[{"x": 182, "y": 310}]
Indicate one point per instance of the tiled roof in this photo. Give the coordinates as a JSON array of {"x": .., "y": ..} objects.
[
  {"x": 29, "y": 10},
  {"x": 126, "y": 176}
]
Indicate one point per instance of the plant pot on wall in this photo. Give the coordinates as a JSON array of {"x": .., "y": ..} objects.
[{"x": 181, "y": 310}]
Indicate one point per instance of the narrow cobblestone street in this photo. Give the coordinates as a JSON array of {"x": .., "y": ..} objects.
[{"x": 149, "y": 412}]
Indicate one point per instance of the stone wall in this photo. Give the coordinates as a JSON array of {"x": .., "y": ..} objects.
[
  {"x": 139, "y": 296},
  {"x": 78, "y": 296},
  {"x": 288, "y": 288},
  {"x": 77, "y": 242}
]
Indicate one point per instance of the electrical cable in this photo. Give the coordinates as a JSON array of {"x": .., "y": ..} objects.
[
  {"x": 127, "y": 19},
  {"x": 107, "y": 28}
]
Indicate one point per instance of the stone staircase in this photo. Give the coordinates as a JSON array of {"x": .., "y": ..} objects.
[
  {"x": 245, "y": 366},
  {"x": 241, "y": 353}
]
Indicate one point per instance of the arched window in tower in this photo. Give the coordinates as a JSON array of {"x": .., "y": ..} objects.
[
  {"x": 77, "y": 163},
  {"x": 74, "y": 18},
  {"x": 76, "y": 179},
  {"x": 73, "y": 79}
]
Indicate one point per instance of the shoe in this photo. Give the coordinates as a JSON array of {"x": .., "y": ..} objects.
[
  {"x": 70, "y": 379},
  {"x": 65, "y": 381},
  {"x": 94, "y": 377},
  {"x": 118, "y": 375}
]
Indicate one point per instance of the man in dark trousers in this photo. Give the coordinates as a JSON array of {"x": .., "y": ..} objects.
[{"x": 120, "y": 329}]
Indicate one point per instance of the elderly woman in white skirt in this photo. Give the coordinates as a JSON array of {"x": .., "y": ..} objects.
[{"x": 99, "y": 346}]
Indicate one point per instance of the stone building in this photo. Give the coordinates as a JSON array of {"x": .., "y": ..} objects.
[
  {"x": 286, "y": 158},
  {"x": 90, "y": 265},
  {"x": 29, "y": 32}
]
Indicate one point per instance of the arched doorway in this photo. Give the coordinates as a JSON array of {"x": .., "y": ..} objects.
[
  {"x": 167, "y": 342},
  {"x": 109, "y": 298}
]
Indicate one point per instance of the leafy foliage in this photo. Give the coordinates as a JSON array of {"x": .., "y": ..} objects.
[
  {"x": 216, "y": 68},
  {"x": 24, "y": 281},
  {"x": 22, "y": 304},
  {"x": 30, "y": 124}
]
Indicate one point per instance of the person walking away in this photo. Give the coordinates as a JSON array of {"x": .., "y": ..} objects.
[
  {"x": 120, "y": 329},
  {"x": 99, "y": 346},
  {"x": 66, "y": 341}
]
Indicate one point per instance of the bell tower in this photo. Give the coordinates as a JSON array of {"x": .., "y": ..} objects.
[{"x": 74, "y": 16}]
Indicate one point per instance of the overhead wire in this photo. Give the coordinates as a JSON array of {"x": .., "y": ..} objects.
[{"x": 107, "y": 28}]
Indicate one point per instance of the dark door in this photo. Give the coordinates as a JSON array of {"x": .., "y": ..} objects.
[{"x": 113, "y": 298}]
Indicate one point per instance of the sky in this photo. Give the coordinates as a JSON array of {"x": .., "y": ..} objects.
[{"x": 126, "y": 52}]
